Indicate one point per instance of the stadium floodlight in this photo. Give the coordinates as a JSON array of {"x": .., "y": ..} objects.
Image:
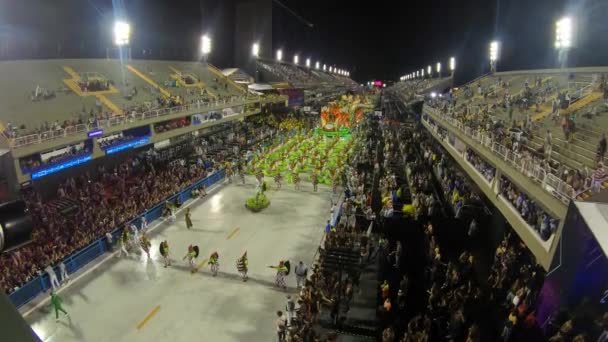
[
  {"x": 324, "y": 67},
  {"x": 279, "y": 55},
  {"x": 433, "y": 94},
  {"x": 331, "y": 69},
  {"x": 494, "y": 47},
  {"x": 493, "y": 51},
  {"x": 308, "y": 62},
  {"x": 205, "y": 44},
  {"x": 452, "y": 64},
  {"x": 429, "y": 70},
  {"x": 439, "y": 67},
  {"x": 122, "y": 33},
  {"x": 422, "y": 72},
  {"x": 563, "y": 33},
  {"x": 417, "y": 73},
  {"x": 296, "y": 59},
  {"x": 255, "y": 50},
  {"x": 317, "y": 65}
]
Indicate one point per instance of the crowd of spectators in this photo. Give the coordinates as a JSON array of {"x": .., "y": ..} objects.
[
  {"x": 170, "y": 125},
  {"x": 536, "y": 217},
  {"x": 114, "y": 140},
  {"x": 35, "y": 161},
  {"x": 112, "y": 196},
  {"x": 480, "y": 165}
]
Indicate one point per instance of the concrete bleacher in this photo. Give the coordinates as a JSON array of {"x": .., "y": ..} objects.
[
  {"x": 301, "y": 76},
  {"x": 587, "y": 107},
  {"x": 71, "y": 103}
]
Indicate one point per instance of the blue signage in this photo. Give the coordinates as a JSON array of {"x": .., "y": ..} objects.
[
  {"x": 95, "y": 133},
  {"x": 60, "y": 167},
  {"x": 128, "y": 145}
]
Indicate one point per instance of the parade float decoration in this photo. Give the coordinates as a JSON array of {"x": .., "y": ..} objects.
[
  {"x": 338, "y": 117},
  {"x": 260, "y": 201}
]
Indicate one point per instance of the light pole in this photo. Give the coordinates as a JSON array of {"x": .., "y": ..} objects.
[
  {"x": 563, "y": 39},
  {"x": 205, "y": 50},
  {"x": 122, "y": 35},
  {"x": 429, "y": 71},
  {"x": 308, "y": 62},
  {"x": 296, "y": 59},
  {"x": 439, "y": 69},
  {"x": 279, "y": 55},
  {"x": 452, "y": 65},
  {"x": 255, "y": 53},
  {"x": 317, "y": 65},
  {"x": 494, "y": 46}
]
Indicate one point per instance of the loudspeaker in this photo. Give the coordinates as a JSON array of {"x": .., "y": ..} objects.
[{"x": 15, "y": 225}]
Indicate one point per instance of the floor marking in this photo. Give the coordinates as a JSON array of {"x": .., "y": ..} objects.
[
  {"x": 236, "y": 230},
  {"x": 113, "y": 254},
  {"x": 150, "y": 315},
  {"x": 199, "y": 266}
]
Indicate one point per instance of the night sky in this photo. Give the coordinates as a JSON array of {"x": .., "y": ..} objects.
[{"x": 374, "y": 40}]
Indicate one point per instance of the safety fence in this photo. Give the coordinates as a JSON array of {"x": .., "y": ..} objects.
[
  {"x": 132, "y": 117},
  {"x": 84, "y": 256},
  {"x": 547, "y": 181}
]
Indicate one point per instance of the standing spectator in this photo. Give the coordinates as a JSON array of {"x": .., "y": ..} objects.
[
  {"x": 301, "y": 272},
  {"x": 597, "y": 177},
  {"x": 65, "y": 277},
  {"x": 601, "y": 148},
  {"x": 290, "y": 307},
  {"x": 281, "y": 326},
  {"x": 52, "y": 277},
  {"x": 548, "y": 145}
]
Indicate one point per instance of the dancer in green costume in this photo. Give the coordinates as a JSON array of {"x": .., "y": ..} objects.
[{"x": 56, "y": 303}]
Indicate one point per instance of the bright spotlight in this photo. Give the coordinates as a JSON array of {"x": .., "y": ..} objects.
[
  {"x": 308, "y": 62},
  {"x": 330, "y": 69},
  {"x": 324, "y": 67},
  {"x": 422, "y": 72},
  {"x": 429, "y": 70},
  {"x": 438, "y": 67},
  {"x": 205, "y": 44},
  {"x": 255, "y": 50},
  {"x": 493, "y": 51},
  {"x": 296, "y": 59},
  {"x": 317, "y": 65},
  {"x": 452, "y": 63},
  {"x": 563, "y": 33},
  {"x": 433, "y": 94},
  {"x": 122, "y": 32},
  {"x": 279, "y": 55}
]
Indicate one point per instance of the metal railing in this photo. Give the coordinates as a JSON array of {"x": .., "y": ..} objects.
[
  {"x": 546, "y": 180},
  {"x": 120, "y": 120}
]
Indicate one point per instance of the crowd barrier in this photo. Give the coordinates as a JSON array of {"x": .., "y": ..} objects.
[{"x": 81, "y": 258}]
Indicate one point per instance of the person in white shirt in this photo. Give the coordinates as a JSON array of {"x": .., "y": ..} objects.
[
  {"x": 65, "y": 277},
  {"x": 53, "y": 277},
  {"x": 301, "y": 271},
  {"x": 144, "y": 224}
]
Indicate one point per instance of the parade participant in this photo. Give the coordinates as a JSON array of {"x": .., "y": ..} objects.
[
  {"x": 277, "y": 179},
  {"x": 52, "y": 277},
  {"x": 56, "y": 303},
  {"x": 301, "y": 272},
  {"x": 282, "y": 271},
  {"x": 164, "y": 252},
  {"x": 214, "y": 263},
  {"x": 188, "y": 218},
  {"x": 145, "y": 244},
  {"x": 242, "y": 173},
  {"x": 191, "y": 255},
  {"x": 124, "y": 242},
  {"x": 228, "y": 172},
  {"x": 334, "y": 183},
  {"x": 242, "y": 264},
  {"x": 296, "y": 181},
  {"x": 315, "y": 181}
]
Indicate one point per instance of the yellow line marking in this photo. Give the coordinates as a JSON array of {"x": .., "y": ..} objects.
[
  {"x": 148, "y": 80},
  {"x": 201, "y": 265},
  {"x": 236, "y": 230},
  {"x": 109, "y": 104},
  {"x": 150, "y": 315}
]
